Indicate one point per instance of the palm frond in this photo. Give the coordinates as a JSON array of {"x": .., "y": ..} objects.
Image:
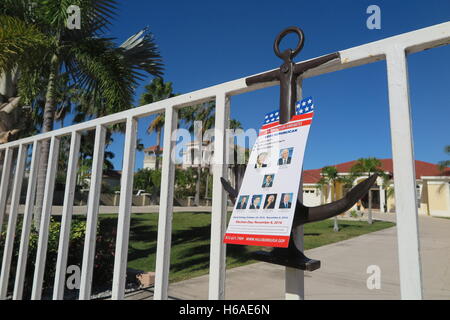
[
  {"x": 95, "y": 17},
  {"x": 22, "y": 44},
  {"x": 235, "y": 124},
  {"x": 157, "y": 123},
  {"x": 156, "y": 90},
  {"x": 330, "y": 173},
  {"x": 443, "y": 165},
  {"x": 110, "y": 74},
  {"x": 22, "y": 9},
  {"x": 100, "y": 72},
  {"x": 141, "y": 54}
]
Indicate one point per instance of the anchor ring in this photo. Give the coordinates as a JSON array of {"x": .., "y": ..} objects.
[{"x": 282, "y": 34}]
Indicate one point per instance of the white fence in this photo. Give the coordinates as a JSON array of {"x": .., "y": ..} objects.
[{"x": 393, "y": 50}]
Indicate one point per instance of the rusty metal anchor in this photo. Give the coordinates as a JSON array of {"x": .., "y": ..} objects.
[{"x": 287, "y": 74}]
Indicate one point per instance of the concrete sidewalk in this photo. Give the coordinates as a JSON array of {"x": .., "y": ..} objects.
[{"x": 343, "y": 272}]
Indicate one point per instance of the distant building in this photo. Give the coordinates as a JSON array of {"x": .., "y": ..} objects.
[
  {"x": 150, "y": 155},
  {"x": 432, "y": 186},
  {"x": 193, "y": 157}
]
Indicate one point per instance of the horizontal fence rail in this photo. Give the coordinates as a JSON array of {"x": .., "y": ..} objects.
[{"x": 393, "y": 50}]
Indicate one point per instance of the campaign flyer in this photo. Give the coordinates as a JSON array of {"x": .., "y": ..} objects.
[{"x": 264, "y": 209}]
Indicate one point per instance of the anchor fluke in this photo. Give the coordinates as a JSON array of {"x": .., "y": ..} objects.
[
  {"x": 304, "y": 214},
  {"x": 292, "y": 256},
  {"x": 228, "y": 188}
]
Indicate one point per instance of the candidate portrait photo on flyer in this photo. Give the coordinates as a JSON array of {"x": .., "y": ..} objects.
[
  {"x": 268, "y": 180},
  {"x": 242, "y": 203},
  {"x": 286, "y": 201},
  {"x": 285, "y": 156},
  {"x": 261, "y": 160},
  {"x": 270, "y": 201},
  {"x": 256, "y": 201}
]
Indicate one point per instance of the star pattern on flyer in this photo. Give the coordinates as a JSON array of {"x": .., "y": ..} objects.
[{"x": 304, "y": 106}]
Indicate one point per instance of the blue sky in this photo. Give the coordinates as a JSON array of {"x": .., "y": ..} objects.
[{"x": 204, "y": 43}]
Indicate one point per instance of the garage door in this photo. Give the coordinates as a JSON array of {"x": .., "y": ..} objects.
[{"x": 311, "y": 198}]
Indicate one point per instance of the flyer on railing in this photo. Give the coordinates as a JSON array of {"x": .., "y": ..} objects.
[{"x": 264, "y": 209}]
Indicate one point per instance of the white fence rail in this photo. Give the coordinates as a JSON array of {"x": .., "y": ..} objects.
[{"x": 393, "y": 50}]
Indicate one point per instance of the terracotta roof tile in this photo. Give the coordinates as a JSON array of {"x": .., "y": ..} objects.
[
  {"x": 422, "y": 169},
  {"x": 153, "y": 149}
]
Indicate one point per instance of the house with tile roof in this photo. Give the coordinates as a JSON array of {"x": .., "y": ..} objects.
[
  {"x": 150, "y": 155},
  {"x": 432, "y": 188}
]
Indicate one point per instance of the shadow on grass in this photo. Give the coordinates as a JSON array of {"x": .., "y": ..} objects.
[
  {"x": 191, "y": 249},
  {"x": 142, "y": 230}
]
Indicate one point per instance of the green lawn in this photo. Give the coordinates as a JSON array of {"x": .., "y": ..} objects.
[{"x": 190, "y": 241}]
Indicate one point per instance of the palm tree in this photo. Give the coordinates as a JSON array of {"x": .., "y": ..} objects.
[
  {"x": 157, "y": 90},
  {"x": 368, "y": 166},
  {"x": 445, "y": 163},
  {"x": 330, "y": 178},
  {"x": 9, "y": 115},
  {"x": 205, "y": 114},
  {"x": 390, "y": 191},
  {"x": 38, "y": 43},
  {"x": 238, "y": 168}
]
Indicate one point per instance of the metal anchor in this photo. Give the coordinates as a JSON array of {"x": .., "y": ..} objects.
[{"x": 287, "y": 75}]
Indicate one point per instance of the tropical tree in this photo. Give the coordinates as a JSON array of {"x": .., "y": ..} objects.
[
  {"x": 44, "y": 49},
  {"x": 368, "y": 166},
  {"x": 148, "y": 180},
  {"x": 194, "y": 116},
  {"x": 238, "y": 168},
  {"x": 390, "y": 190},
  {"x": 9, "y": 115},
  {"x": 330, "y": 179},
  {"x": 445, "y": 163},
  {"x": 183, "y": 182},
  {"x": 157, "y": 90}
]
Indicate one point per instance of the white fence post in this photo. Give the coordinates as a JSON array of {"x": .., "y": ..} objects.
[
  {"x": 405, "y": 176},
  {"x": 92, "y": 213},
  {"x": 26, "y": 224},
  {"x": 123, "y": 223},
  {"x": 217, "y": 264},
  {"x": 41, "y": 254},
  {"x": 165, "y": 208},
  {"x": 66, "y": 219},
  {"x": 9, "y": 242},
  {"x": 295, "y": 278}
]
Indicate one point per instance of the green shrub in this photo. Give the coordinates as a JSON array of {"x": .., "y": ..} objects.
[
  {"x": 353, "y": 214},
  {"x": 104, "y": 252}
]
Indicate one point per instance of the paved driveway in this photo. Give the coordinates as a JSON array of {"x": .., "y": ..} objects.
[{"x": 343, "y": 272}]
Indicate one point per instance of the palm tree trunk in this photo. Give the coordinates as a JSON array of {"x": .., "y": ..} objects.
[
  {"x": 47, "y": 125},
  {"x": 197, "y": 186},
  {"x": 158, "y": 147},
  {"x": 369, "y": 215},
  {"x": 207, "y": 183},
  {"x": 236, "y": 176},
  {"x": 235, "y": 169},
  {"x": 336, "y": 225},
  {"x": 10, "y": 121},
  {"x": 8, "y": 84}
]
